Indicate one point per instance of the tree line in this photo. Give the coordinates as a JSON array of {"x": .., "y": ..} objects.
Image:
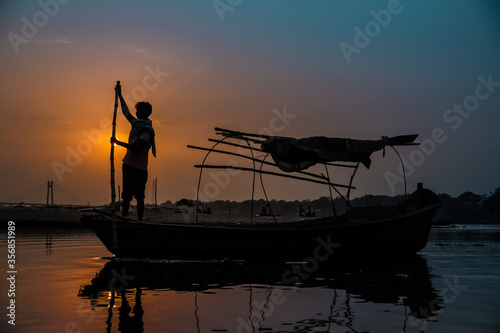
[{"x": 467, "y": 207}]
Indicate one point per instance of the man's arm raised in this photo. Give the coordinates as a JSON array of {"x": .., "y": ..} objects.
[{"x": 123, "y": 104}]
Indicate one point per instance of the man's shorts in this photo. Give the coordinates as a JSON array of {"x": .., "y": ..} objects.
[{"x": 134, "y": 182}]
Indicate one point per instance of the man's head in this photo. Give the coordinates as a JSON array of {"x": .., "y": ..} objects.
[{"x": 143, "y": 110}]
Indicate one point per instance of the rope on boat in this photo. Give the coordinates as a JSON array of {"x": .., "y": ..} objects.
[
  {"x": 201, "y": 170},
  {"x": 350, "y": 184},
  {"x": 330, "y": 190},
  {"x": 402, "y": 167},
  {"x": 253, "y": 181},
  {"x": 264, "y": 190}
]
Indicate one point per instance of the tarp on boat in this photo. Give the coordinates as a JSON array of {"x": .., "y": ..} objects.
[{"x": 298, "y": 154}]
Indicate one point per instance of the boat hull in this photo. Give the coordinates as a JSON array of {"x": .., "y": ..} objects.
[{"x": 402, "y": 234}]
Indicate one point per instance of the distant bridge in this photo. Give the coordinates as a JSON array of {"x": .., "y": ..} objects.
[{"x": 45, "y": 193}]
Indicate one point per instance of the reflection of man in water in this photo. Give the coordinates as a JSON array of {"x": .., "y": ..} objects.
[
  {"x": 135, "y": 162},
  {"x": 128, "y": 322}
]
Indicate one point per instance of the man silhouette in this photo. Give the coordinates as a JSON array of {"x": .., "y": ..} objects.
[{"x": 135, "y": 162}]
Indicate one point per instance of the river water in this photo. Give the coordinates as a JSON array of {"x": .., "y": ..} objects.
[{"x": 66, "y": 281}]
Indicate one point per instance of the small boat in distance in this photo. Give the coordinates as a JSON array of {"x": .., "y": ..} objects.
[{"x": 388, "y": 231}]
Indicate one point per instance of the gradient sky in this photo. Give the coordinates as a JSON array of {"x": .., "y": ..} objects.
[{"x": 231, "y": 67}]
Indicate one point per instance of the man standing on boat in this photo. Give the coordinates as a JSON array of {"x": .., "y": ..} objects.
[{"x": 135, "y": 162}]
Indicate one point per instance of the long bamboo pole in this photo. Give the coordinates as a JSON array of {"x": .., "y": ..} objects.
[
  {"x": 228, "y": 132},
  {"x": 234, "y": 144},
  {"x": 113, "y": 193}
]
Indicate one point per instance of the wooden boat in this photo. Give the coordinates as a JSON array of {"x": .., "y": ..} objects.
[{"x": 363, "y": 231}]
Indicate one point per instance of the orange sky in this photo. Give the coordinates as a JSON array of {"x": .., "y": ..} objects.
[{"x": 233, "y": 73}]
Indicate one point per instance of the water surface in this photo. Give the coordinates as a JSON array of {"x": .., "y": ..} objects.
[{"x": 67, "y": 282}]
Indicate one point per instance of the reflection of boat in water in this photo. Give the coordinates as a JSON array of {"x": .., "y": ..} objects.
[
  {"x": 404, "y": 283},
  {"x": 381, "y": 230}
]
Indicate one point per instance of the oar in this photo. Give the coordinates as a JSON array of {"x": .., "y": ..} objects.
[{"x": 113, "y": 194}]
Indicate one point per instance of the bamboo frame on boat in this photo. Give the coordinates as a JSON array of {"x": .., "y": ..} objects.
[
  {"x": 236, "y": 135},
  {"x": 273, "y": 174},
  {"x": 252, "y": 139},
  {"x": 234, "y": 144},
  {"x": 253, "y": 159}
]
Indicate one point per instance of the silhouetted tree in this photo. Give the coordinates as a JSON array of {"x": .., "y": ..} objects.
[
  {"x": 492, "y": 202},
  {"x": 469, "y": 198}
]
